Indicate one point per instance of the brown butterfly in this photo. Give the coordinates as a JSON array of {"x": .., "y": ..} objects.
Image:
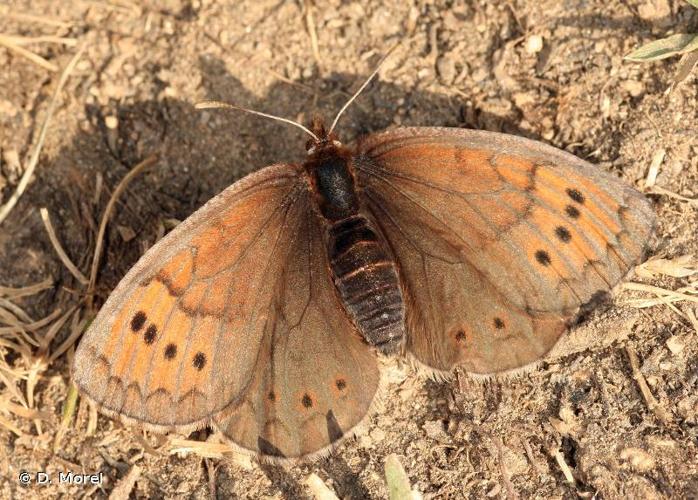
[{"x": 264, "y": 313}]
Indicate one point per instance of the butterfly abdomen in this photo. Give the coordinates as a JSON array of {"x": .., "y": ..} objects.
[{"x": 367, "y": 281}]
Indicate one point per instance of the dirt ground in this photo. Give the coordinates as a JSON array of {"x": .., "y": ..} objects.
[{"x": 579, "y": 425}]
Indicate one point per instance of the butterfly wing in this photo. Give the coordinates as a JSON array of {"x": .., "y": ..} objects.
[
  {"x": 320, "y": 377},
  {"x": 500, "y": 240},
  {"x": 232, "y": 306}
]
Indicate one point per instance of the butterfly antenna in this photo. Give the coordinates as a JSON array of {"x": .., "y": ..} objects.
[
  {"x": 220, "y": 104},
  {"x": 368, "y": 80}
]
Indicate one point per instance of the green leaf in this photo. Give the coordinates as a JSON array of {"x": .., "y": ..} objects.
[
  {"x": 693, "y": 2},
  {"x": 665, "y": 47},
  {"x": 396, "y": 477}
]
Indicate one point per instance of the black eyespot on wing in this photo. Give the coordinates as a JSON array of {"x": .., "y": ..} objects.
[
  {"x": 572, "y": 211},
  {"x": 340, "y": 383},
  {"x": 576, "y": 195},
  {"x": 150, "y": 333},
  {"x": 307, "y": 401},
  {"x": 498, "y": 323},
  {"x": 138, "y": 321},
  {"x": 271, "y": 396},
  {"x": 199, "y": 361},
  {"x": 542, "y": 257},
  {"x": 563, "y": 234},
  {"x": 460, "y": 336},
  {"x": 170, "y": 351}
]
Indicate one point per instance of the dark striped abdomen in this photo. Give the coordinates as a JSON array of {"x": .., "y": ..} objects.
[{"x": 367, "y": 281}]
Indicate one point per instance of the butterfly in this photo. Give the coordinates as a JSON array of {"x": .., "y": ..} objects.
[{"x": 266, "y": 313}]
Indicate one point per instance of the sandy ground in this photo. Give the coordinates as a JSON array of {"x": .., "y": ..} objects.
[{"x": 577, "y": 426}]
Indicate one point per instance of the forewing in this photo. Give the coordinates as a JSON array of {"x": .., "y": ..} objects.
[
  {"x": 500, "y": 239},
  {"x": 178, "y": 338}
]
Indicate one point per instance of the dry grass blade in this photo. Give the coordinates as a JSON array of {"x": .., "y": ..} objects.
[
  {"x": 77, "y": 328},
  {"x": 201, "y": 448},
  {"x": 67, "y": 415},
  {"x": 670, "y": 194},
  {"x": 34, "y": 160},
  {"x": 685, "y": 67},
  {"x": 11, "y": 378},
  {"x": 47, "y": 338},
  {"x": 653, "y": 171},
  {"x": 310, "y": 23},
  {"x": 122, "y": 490},
  {"x": 20, "y": 331},
  {"x": 5, "y": 11},
  {"x": 23, "y": 353},
  {"x": 59, "y": 249},
  {"x": 28, "y": 40},
  {"x": 566, "y": 471},
  {"x": 10, "y": 426},
  {"x": 16, "y": 339},
  {"x": 117, "y": 5},
  {"x": 652, "y": 404},
  {"x": 12, "y": 309},
  {"x": 9, "y": 43},
  {"x": 692, "y": 318},
  {"x": 682, "y": 266},
  {"x": 688, "y": 293},
  {"x": 18, "y": 328},
  {"x": 21, "y": 411},
  {"x": 14, "y": 293},
  {"x": 318, "y": 489},
  {"x": 133, "y": 173}
]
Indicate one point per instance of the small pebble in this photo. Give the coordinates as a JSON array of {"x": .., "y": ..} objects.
[
  {"x": 446, "y": 68},
  {"x": 534, "y": 44},
  {"x": 675, "y": 344},
  {"x": 111, "y": 122}
]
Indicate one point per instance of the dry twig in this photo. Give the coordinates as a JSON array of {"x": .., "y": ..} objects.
[
  {"x": 9, "y": 43},
  {"x": 59, "y": 249},
  {"x": 50, "y": 21},
  {"x": 34, "y": 160},
  {"x": 650, "y": 400},
  {"x": 133, "y": 173},
  {"x": 312, "y": 32}
]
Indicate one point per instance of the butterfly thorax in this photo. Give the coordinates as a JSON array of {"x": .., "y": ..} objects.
[
  {"x": 332, "y": 180},
  {"x": 364, "y": 273}
]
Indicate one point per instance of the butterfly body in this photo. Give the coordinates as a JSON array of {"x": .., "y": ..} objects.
[
  {"x": 364, "y": 273},
  {"x": 261, "y": 314}
]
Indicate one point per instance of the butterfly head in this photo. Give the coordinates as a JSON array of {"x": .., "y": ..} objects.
[{"x": 324, "y": 143}]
